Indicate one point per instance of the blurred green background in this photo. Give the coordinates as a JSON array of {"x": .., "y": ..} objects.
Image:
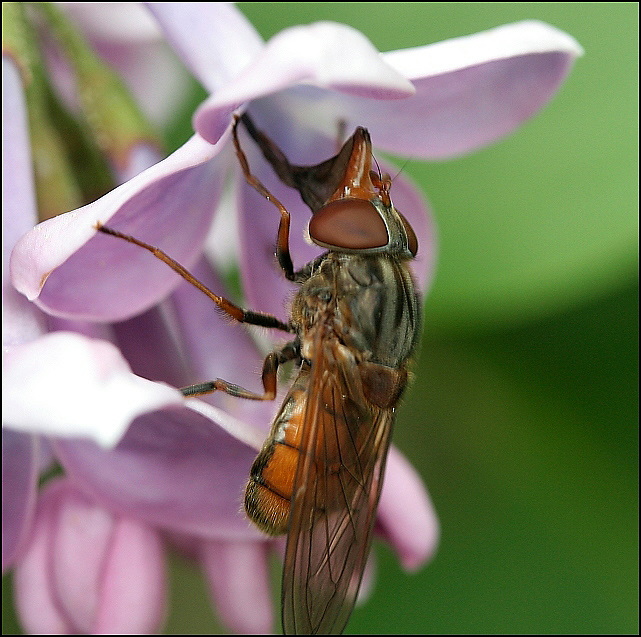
[
  {"x": 526, "y": 384},
  {"x": 523, "y": 416},
  {"x": 522, "y": 419}
]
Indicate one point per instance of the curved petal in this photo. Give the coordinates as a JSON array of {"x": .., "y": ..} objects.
[
  {"x": 528, "y": 37},
  {"x": 19, "y": 211},
  {"x": 213, "y": 39},
  {"x": 174, "y": 469},
  {"x": 22, "y": 322},
  {"x": 20, "y": 463},
  {"x": 77, "y": 387},
  {"x": 133, "y": 582},
  {"x": 406, "y": 516},
  {"x": 150, "y": 345},
  {"x": 88, "y": 572},
  {"x": 238, "y": 577},
  {"x": 80, "y": 536},
  {"x": 241, "y": 430},
  {"x": 71, "y": 270},
  {"x": 470, "y": 91},
  {"x": 325, "y": 54},
  {"x": 37, "y": 604}
]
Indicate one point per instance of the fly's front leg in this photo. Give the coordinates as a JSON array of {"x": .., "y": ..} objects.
[
  {"x": 291, "y": 351},
  {"x": 282, "y": 243}
]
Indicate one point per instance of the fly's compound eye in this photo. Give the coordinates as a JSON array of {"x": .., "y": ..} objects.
[{"x": 350, "y": 224}]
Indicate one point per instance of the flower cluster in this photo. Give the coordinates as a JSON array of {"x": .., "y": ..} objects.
[{"x": 89, "y": 319}]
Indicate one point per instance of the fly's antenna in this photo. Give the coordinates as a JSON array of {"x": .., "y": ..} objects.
[{"x": 400, "y": 170}]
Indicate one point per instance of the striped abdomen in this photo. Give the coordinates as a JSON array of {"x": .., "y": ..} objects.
[{"x": 271, "y": 479}]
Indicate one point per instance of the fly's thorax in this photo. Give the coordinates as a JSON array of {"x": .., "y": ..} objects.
[
  {"x": 380, "y": 308},
  {"x": 370, "y": 302},
  {"x": 316, "y": 297}
]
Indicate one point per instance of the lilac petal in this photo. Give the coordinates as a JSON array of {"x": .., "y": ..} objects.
[
  {"x": 220, "y": 348},
  {"x": 213, "y": 39},
  {"x": 324, "y": 54},
  {"x": 238, "y": 578},
  {"x": 19, "y": 212},
  {"x": 150, "y": 345},
  {"x": 470, "y": 91},
  {"x": 36, "y": 601},
  {"x": 406, "y": 516},
  {"x": 102, "y": 331},
  {"x": 80, "y": 537},
  {"x": 88, "y": 571},
  {"x": 21, "y": 321},
  {"x": 133, "y": 582},
  {"x": 174, "y": 469},
  {"x": 71, "y": 270},
  {"x": 20, "y": 462},
  {"x": 214, "y": 345},
  {"x": 77, "y": 387},
  {"x": 527, "y": 37},
  {"x": 241, "y": 430}
]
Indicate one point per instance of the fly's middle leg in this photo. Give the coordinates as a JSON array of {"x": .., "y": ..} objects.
[
  {"x": 241, "y": 315},
  {"x": 269, "y": 377}
]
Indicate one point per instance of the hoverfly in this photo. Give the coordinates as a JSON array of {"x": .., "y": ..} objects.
[{"x": 355, "y": 320}]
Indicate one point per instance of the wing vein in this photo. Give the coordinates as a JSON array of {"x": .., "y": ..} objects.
[{"x": 344, "y": 442}]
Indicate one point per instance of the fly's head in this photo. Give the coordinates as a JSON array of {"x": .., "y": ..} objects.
[{"x": 359, "y": 216}]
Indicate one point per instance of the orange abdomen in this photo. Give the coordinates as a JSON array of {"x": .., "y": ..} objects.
[{"x": 271, "y": 481}]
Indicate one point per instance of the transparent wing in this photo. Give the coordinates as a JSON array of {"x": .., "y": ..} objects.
[{"x": 338, "y": 481}]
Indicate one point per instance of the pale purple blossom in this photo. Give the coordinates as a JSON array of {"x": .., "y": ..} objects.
[
  {"x": 105, "y": 316},
  {"x": 107, "y": 569}
]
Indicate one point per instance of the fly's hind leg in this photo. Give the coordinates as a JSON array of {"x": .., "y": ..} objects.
[{"x": 269, "y": 376}]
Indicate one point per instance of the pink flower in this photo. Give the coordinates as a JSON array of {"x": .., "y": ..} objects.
[
  {"x": 105, "y": 316},
  {"x": 89, "y": 571}
]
